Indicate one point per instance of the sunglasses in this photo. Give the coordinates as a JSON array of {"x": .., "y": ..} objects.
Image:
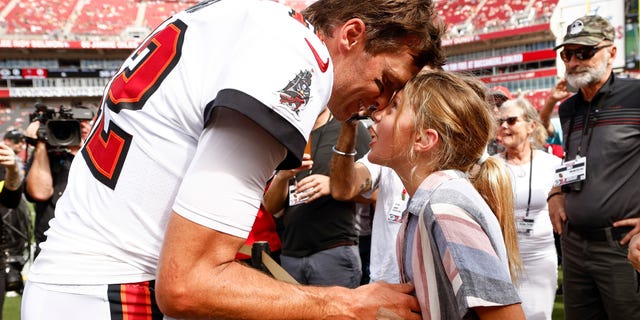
[
  {"x": 584, "y": 53},
  {"x": 510, "y": 121}
]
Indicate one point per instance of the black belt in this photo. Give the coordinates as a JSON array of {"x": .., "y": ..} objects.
[
  {"x": 341, "y": 244},
  {"x": 600, "y": 234}
]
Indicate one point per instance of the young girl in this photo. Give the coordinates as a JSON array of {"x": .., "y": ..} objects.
[{"x": 450, "y": 245}]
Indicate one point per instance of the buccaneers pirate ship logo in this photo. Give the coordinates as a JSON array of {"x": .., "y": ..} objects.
[{"x": 296, "y": 93}]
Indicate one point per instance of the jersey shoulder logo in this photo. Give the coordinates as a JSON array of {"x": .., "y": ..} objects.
[
  {"x": 323, "y": 65},
  {"x": 296, "y": 93}
]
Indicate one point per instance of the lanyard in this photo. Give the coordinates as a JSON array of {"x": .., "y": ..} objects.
[
  {"x": 585, "y": 127},
  {"x": 506, "y": 157}
]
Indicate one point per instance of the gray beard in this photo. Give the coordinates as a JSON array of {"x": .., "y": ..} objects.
[{"x": 588, "y": 76}]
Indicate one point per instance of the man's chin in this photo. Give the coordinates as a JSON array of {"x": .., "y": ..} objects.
[{"x": 576, "y": 82}]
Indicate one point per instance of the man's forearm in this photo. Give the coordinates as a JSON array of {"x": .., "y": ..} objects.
[
  {"x": 13, "y": 179},
  {"x": 39, "y": 180},
  {"x": 198, "y": 278}
]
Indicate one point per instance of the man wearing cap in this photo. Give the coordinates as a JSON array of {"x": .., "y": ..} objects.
[
  {"x": 597, "y": 209},
  {"x": 15, "y": 140}
]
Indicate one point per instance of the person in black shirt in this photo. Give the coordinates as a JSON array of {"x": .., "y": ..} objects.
[
  {"x": 596, "y": 207},
  {"x": 10, "y": 196}
]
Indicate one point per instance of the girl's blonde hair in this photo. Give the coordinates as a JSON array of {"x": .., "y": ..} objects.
[{"x": 454, "y": 105}]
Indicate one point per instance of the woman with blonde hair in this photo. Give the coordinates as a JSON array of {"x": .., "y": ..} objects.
[
  {"x": 450, "y": 244},
  {"x": 532, "y": 174}
]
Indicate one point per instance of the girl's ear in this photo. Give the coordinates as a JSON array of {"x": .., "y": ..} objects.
[{"x": 426, "y": 141}]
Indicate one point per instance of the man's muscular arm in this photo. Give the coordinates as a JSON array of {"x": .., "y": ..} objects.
[
  {"x": 348, "y": 179},
  {"x": 199, "y": 278}
]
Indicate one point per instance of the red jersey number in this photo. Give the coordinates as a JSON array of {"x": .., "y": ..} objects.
[
  {"x": 105, "y": 151},
  {"x": 146, "y": 69}
]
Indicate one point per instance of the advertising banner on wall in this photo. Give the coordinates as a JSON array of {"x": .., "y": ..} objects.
[{"x": 568, "y": 11}]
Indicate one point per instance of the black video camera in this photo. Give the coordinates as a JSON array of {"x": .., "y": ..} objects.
[{"x": 60, "y": 128}]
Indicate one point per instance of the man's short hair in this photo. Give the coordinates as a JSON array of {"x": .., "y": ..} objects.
[{"x": 14, "y": 135}]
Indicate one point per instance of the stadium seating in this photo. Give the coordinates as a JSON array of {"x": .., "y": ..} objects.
[
  {"x": 109, "y": 18},
  {"x": 537, "y": 97},
  {"x": 544, "y": 9},
  {"x": 456, "y": 12},
  {"x": 157, "y": 11},
  {"x": 497, "y": 14},
  {"x": 38, "y": 16},
  {"x": 105, "y": 17}
]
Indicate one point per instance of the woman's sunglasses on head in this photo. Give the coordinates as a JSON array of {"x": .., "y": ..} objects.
[{"x": 583, "y": 53}]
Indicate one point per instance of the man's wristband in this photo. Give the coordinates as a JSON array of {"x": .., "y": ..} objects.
[
  {"x": 31, "y": 141},
  {"x": 346, "y": 154},
  {"x": 553, "y": 195}
]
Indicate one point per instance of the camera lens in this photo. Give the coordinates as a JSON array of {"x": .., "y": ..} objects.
[{"x": 63, "y": 132}]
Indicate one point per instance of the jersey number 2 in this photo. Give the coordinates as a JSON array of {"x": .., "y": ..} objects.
[{"x": 144, "y": 71}]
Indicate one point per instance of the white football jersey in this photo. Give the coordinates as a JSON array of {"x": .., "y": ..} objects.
[{"x": 256, "y": 57}]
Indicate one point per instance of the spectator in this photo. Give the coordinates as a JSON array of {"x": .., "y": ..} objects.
[
  {"x": 556, "y": 94},
  {"x": 10, "y": 196},
  {"x": 364, "y": 220},
  {"x": 15, "y": 140},
  {"x": 496, "y": 97},
  {"x": 48, "y": 169},
  {"x": 554, "y": 139},
  {"x": 532, "y": 173},
  {"x": 189, "y": 132},
  {"x": 361, "y": 181},
  {"x": 596, "y": 210},
  {"x": 319, "y": 242},
  {"x": 450, "y": 243}
]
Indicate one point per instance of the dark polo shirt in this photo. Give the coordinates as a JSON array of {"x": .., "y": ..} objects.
[{"x": 606, "y": 131}]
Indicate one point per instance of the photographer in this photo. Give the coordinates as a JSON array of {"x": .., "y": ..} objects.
[
  {"x": 10, "y": 196},
  {"x": 56, "y": 137}
]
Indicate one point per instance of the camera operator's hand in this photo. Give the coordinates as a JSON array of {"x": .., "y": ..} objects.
[
  {"x": 34, "y": 132},
  {"x": 13, "y": 178}
]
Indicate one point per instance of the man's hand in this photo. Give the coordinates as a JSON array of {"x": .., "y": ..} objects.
[
  {"x": 632, "y": 222},
  {"x": 7, "y": 156},
  {"x": 559, "y": 92},
  {"x": 307, "y": 164},
  {"x": 32, "y": 130},
  {"x": 634, "y": 252},
  {"x": 382, "y": 300},
  {"x": 556, "y": 212}
]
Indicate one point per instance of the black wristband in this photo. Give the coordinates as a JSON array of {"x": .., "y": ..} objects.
[
  {"x": 553, "y": 195},
  {"x": 31, "y": 141}
]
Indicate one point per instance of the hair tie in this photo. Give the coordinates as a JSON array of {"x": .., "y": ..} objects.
[{"x": 484, "y": 157}]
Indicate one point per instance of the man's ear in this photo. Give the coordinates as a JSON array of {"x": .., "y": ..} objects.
[
  {"x": 614, "y": 51},
  {"x": 426, "y": 141},
  {"x": 352, "y": 34}
]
